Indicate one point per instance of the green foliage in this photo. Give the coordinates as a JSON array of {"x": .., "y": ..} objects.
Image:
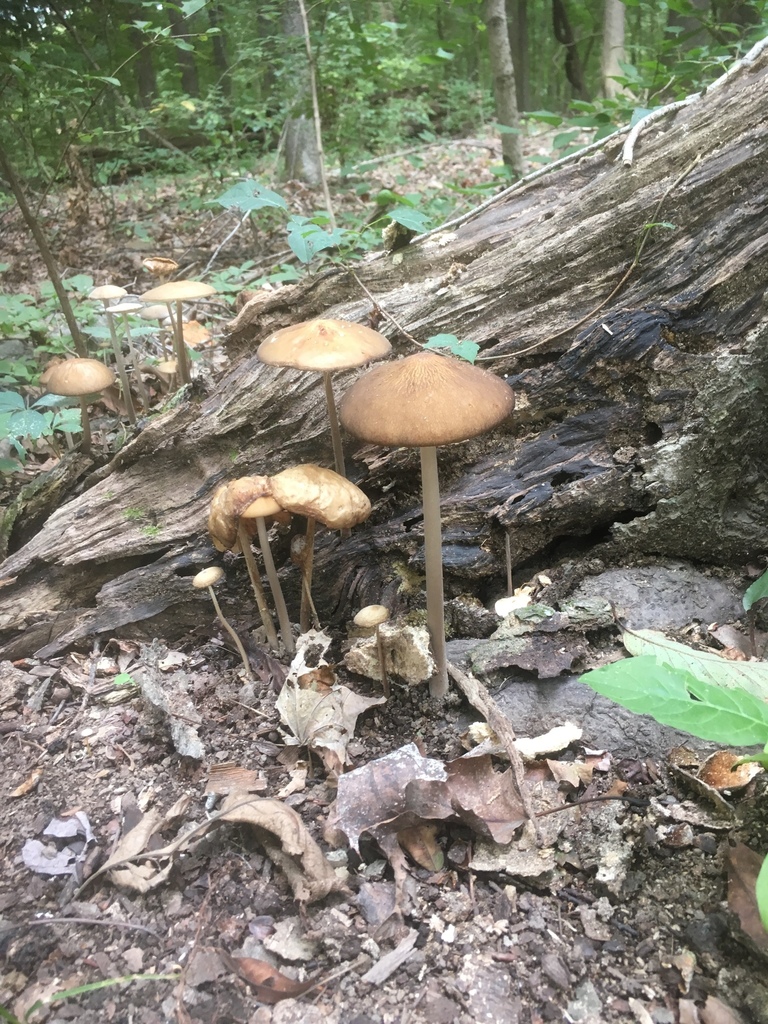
[
  {"x": 22, "y": 426},
  {"x": 757, "y": 592},
  {"x": 463, "y": 349}
]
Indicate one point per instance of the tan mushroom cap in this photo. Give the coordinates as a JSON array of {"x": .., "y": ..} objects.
[
  {"x": 107, "y": 291},
  {"x": 371, "y": 616},
  {"x": 178, "y": 291},
  {"x": 323, "y": 345},
  {"x": 321, "y": 494},
  {"x": 262, "y": 507},
  {"x": 423, "y": 401},
  {"x": 229, "y": 502},
  {"x": 77, "y": 377},
  {"x": 156, "y": 312},
  {"x": 207, "y": 577}
]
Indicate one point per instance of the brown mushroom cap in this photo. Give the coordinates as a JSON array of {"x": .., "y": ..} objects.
[
  {"x": 423, "y": 401},
  {"x": 76, "y": 377},
  {"x": 178, "y": 291},
  {"x": 228, "y": 504},
  {"x": 323, "y": 345},
  {"x": 321, "y": 494}
]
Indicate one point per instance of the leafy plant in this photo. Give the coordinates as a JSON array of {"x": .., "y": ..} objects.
[{"x": 22, "y": 426}]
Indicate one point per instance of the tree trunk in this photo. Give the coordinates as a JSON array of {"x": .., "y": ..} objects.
[
  {"x": 301, "y": 159},
  {"x": 504, "y": 92},
  {"x": 518, "y": 38},
  {"x": 640, "y": 428},
  {"x": 613, "y": 47},
  {"x": 219, "y": 49},
  {"x": 185, "y": 58},
  {"x": 563, "y": 30}
]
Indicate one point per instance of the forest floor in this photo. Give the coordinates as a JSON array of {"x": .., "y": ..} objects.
[{"x": 632, "y": 904}]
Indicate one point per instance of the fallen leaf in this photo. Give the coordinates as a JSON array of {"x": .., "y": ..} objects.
[
  {"x": 743, "y": 868},
  {"x": 28, "y": 785},
  {"x": 224, "y": 778},
  {"x": 269, "y": 985},
  {"x": 420, "y": 843},
  {"x": 390, "y": 962},
  {"x": 722, "y": 771}
]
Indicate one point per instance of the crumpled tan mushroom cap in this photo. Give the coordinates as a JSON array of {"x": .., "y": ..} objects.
[
  {"x": 424, "y": 400},
  {"x": 229, "y": 502},
  {"x": 323, "y": 345},
  {"x": 321, "y": 494}
]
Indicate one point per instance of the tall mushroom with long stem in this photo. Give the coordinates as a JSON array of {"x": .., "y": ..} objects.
[
  {"x": 322, "y": 496},
  {"x": 123, "y": 308},
  {"x": 205, "y": 580},
  {"x": 79, "y": 378},
  {"x": 325, "y": 346},
  {"x": 423, "y": 401},
  {"x": 104, "y": 293},
  {"x": 175, "y": 293}
]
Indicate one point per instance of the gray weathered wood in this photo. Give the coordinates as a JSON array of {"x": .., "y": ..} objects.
[{"x": 640, "y": 431}]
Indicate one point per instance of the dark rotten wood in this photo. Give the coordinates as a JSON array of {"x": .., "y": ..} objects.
[{"x": 640, "y": 432}]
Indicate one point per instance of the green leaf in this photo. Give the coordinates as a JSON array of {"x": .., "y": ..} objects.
[
  {"x": 546, "y": 116},
  {"x": 182, "y": 44},
  {"x": 190, "y": 7},
  {"x": 464, "y": 349},
  {"x": 82, "y": 283},
  {"x": 761, "y": 892},
  {"x": 10, "y": 466},
  {"x": 506, "y": 129},
  {"x": 639, "y": 113},
  {"x": 751, "y": 676},
  {"x": 412, "y": 219},
  {"x": 10, "y": 401},
  {"x": 443, "y": 54},
  {"x": 249, "y": 195},
  {"x": 29, "y": 424},
  {"x": 4, "y": 267},
  {"x": 756, "y": 592},
  {"x": 676, "y": 698},
  {"x": 306, "y": 239}
]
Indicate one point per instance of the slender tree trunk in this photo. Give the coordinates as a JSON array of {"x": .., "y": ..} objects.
[
  {"x": 301, "y": 159},
  {"x": 185, "y": 58},
  {"x": 503, "y": 72},
  {"x": 219, "y": 49},
  {"x": 518, "y": 37},
  {"x": 564, "y": 34},
  {"x": 146, "y": 79},
  {"x": 613, "y": 46}
]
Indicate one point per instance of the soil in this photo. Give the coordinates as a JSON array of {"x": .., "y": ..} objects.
[{"x": 622, "y": 912}]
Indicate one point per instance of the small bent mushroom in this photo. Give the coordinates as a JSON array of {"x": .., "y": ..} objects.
[
  {"x": 228, "y": 502},
  {"x": 79, "y": 378},
  {"x": 370, "y": 618},
  {"x": 423, "y": 401},
  {"x": 322, "y": 496},
  {"x": 177, "y": 292},
  {"x": 205, "y": 580},
  {"x": 325, "y": 346}
]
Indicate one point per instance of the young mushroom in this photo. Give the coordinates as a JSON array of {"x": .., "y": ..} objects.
[
  {"x": 205, "y": 580},
  {"x": 325, "y": 346},
  {"x": 228, "y": 534},
  {"x": 123, "y": 308},
  {"x": 370, "y": 618},
  {"x": 322, "y": 496},
  {"x": 177, "y": 292},
  {"x": 79, "y": 378},
  {"x": 423, "y": 401},
  {"x": 103, "y": 294}
]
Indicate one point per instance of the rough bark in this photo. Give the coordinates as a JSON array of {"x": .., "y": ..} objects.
[
  {"x": 613, "y": 47},
  {"x": 640, "y": 429},
  {"x": 504, "y": 91}
]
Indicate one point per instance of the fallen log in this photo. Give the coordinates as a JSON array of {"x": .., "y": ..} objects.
[{"x": 640, "y": 426}]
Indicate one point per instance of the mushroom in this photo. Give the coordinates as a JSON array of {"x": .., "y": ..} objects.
[
  {"x": 177, "y": 292},
  {"x": 78, "y": 378},
  {"x": 228, "y": 533},
  {"x": 325, "y": 346},
  {"x": 258, "y": 511},
  {"x": 370, "y": 618},
  {"x": 104, "y": 293},
  {"x": 124, "y": 307},
  {"x": 322, "y": 496},
  {"x": 157, "y": 312},
  {"x": 423, "y": 401},
  {"x": 206, "y": 579}
]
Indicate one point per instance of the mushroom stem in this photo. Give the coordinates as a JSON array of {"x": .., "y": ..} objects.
[
  {"x": 136, "y": 365},
  {"x": 306, "y": 574},
  {"x": 274, "y": 583},
  {"x": 181, "y": 349},
  {"x": 508, "y": 551},
  {"x": 382, "y": 662},
  {"x": 433, "y": 557},
  {"x": 121, "y": 371},
  {"x": 233, "y": 634},
  {"x": 85, "y": 441},
  {"x": 258, "y": 590},
  {"x": 338, "y": 451}
]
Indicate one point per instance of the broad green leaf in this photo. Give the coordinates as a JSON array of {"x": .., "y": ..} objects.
[
  {"x": 647, "y": 686},
  {"x": 546, "y": 116},
  {"x": 506, "y": 129},
  {"x": 761, "y": 892},
  {"x": 249, "y": 195},
  {"x": 10, "y": 465},
  {"x": 751, "y": 676},
  {"x": 68, "y": 420},
  {"x": 639, "y": 113},
  {"x": 82, "y": 283},
  {"x": 464, "y": 349},
  {"x": 182, "y": 44},
  {"x": 10, "y": 401},
  {"x": 190, "y": 7},
  {"x": 4, "y": 267},
  {"x": 414, "y": 220},
  {"x": 305, "y": 239},
  {"x": 756, "y": 592},
  {"x": 29, "y": 424}
]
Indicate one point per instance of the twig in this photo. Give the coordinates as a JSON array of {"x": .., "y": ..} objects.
[
  {"x": 221, "y": 245},
  {"x": 41, "y": 922},
  {"x": 316, "y": 116},
  {"x": 387, "y": 316},
  {"x": 479, "y": 698}
]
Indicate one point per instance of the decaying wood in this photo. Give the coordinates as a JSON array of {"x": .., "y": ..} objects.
[{"x": 641, "y": 432}]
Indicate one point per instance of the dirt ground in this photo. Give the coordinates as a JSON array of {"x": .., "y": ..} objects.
[{"x": 631, "y": 904}]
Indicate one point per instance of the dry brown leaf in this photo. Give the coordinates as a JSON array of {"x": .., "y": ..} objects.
[
  {"x": 269, "y": 985},
  {"x": 721, "y": 771},
  {"x": 420, "y": 843},
  {"x": 224, "y": 778},
  {"x": 195, "y": 334},
  {"x": 715, "y": 1011},
  {"x": 28, "y": 785},
  {"x": 743, "y": 867},
  {"x": 573, "y": 772}
]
